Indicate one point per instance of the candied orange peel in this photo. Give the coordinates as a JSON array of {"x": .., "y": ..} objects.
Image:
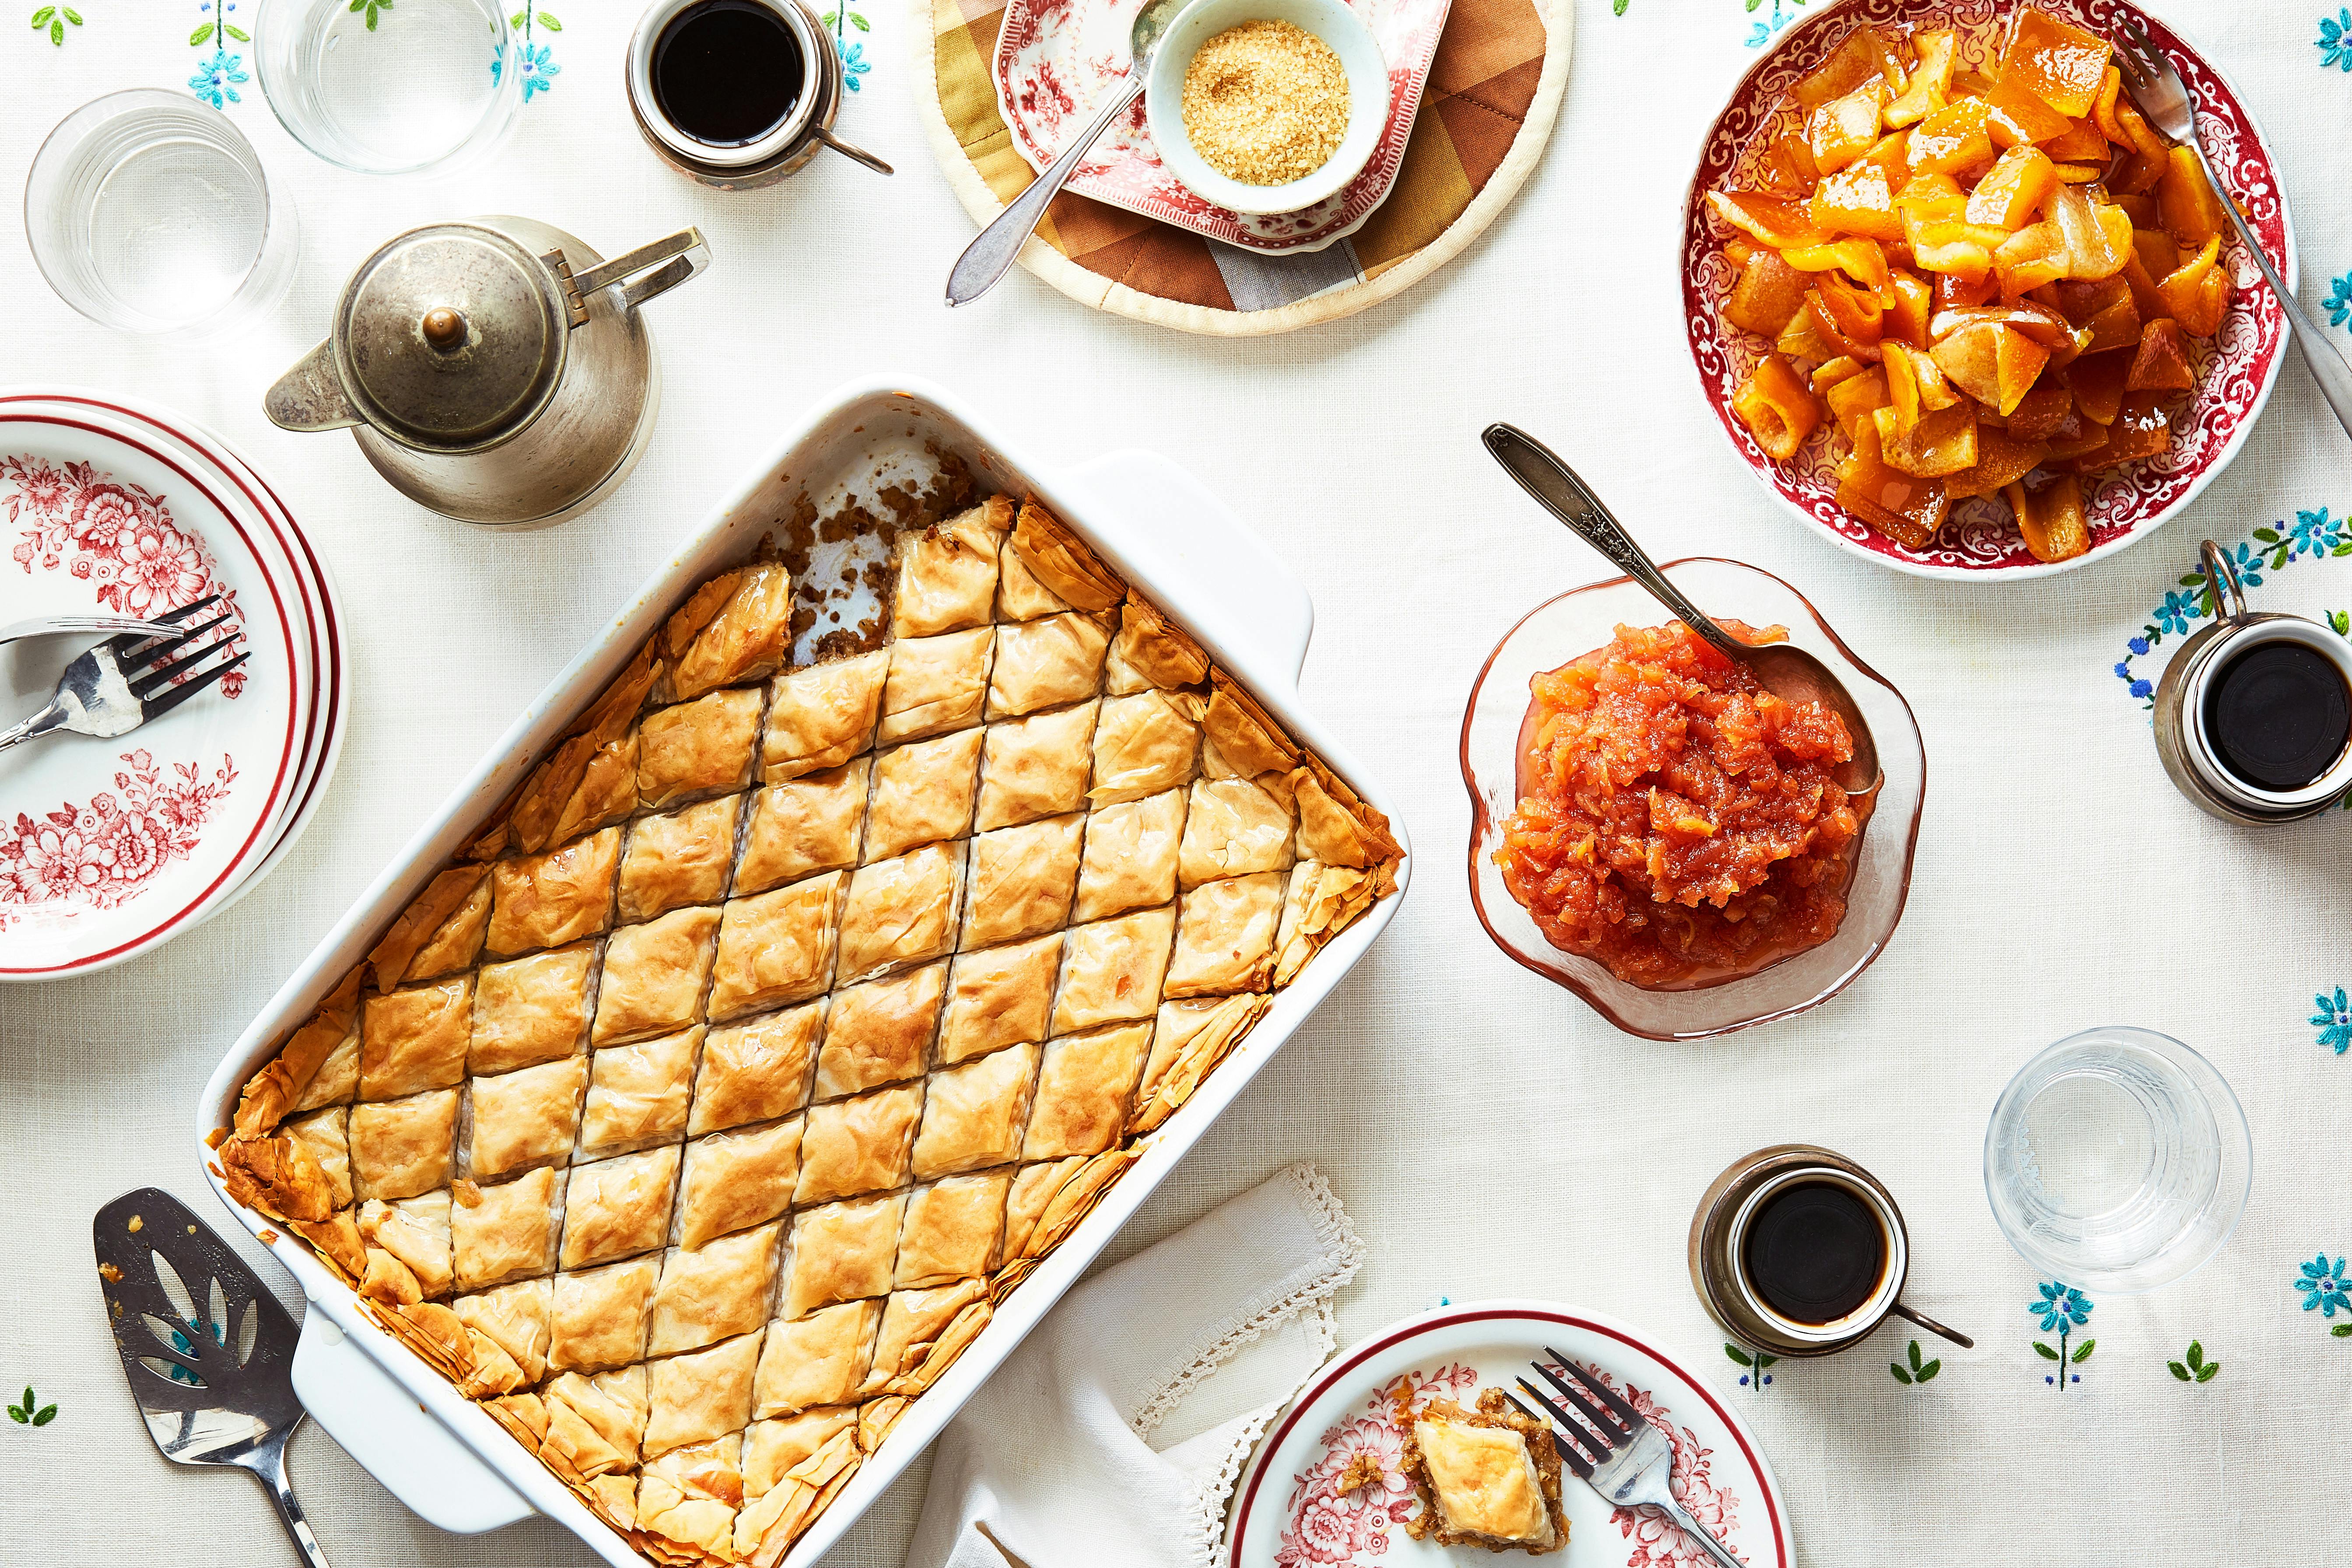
[{"x": 1974, "y": 282}]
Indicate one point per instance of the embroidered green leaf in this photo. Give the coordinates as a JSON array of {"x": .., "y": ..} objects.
[
  {"x": 828, "y": 18},
  {"x": 1736, "y": 1353},
  {"x": 1763, "y": 1360},
  {"x": 2207, "y": 1373},
  {"x": 239, "y": 34},
  {"x": 1900, "y": 1375},
  {"x": 41, "y": 18},
  {"x": 2178, "y": 1369},
  {"x": 2267, "y": 535},
  {"x": 2191, "y": 580},
  {"x": 2082, "y": 1351},
  {"x": 56, "y": 32},
  {"x": 547, "y": 20},
  {"x": 2045, "y": 1351},
  {"x": 1617, "y": 7},
  {"x": 2341, "y": 1330},
  {"x": 70, "y": 14},
  {"x": 859, "y": 21},
  {"x": 517, "y": 19},
  {"x": 1928, "y": 1372},
  {"x": 2341, "y": 622},
  {"x": 2195, "y": 1354},
  {"x": 47, "y": 1413}
]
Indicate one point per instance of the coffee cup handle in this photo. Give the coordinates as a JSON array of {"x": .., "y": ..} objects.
[
  {"x": 2229, "y": 594},
  {"x": 1933, "y": 1327}
]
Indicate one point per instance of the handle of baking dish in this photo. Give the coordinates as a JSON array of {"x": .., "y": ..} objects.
[
  {"x": 1207, "y": 564},
  {"x": 379, "y": 1423}
]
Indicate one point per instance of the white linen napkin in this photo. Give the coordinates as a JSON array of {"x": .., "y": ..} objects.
[{"x": 1053, "y": 1463}]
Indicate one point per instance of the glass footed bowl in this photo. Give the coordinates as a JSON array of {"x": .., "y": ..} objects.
[{"x": 1584, "y": 619}]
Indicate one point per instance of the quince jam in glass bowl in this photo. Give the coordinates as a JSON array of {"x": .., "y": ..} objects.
[{"x": 1658, "y": 834}]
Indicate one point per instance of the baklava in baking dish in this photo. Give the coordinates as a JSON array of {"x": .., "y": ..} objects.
[{"x": 695, "y": 1119}]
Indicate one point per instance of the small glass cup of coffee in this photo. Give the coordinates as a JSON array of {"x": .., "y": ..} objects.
[
  {"x": 737, "y": 94},
  {"x": 2254, "y": 715},
  {"x": 1798, "y": 1251}
]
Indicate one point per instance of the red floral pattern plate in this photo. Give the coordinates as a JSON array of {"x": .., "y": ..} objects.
[
  {"x": 2235, "y": 369},
  {"x": 1056, "y": 59},
  {"x": 1327, "y": 1489},
  {"x": 107, "y": 848}
]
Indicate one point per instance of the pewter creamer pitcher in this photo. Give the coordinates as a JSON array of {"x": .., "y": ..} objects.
[{"x": 496, "y": 370}]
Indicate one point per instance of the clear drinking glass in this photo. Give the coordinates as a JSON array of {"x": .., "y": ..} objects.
[
  {"x": 2117, "y": 1160},
  {"x": 148, "y": 212},
  {"x": 424, "y": 86}
]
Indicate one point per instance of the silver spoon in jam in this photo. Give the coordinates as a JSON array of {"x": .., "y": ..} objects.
[
  {"x": 1783, "y": 668},
  {"x": 990, "y": 257}
]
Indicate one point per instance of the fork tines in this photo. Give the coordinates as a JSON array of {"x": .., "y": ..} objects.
[
  {"x": 169, "y": 628},
  {"x": 1602, "y": 1423},
  {"x": 158, "y": 697}
]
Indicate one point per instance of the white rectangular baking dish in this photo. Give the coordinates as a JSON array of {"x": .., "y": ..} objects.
[{"x": 438, "y": 1452}]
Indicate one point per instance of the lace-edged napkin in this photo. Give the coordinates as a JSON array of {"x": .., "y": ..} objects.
[{"x": 1116, "y": 1433}]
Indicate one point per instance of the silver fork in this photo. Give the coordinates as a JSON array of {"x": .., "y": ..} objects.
[
  {"x": 123, "y": 683},
  {"x": 54, "y": 625},
  {"x": 1613, "y": 1450},
  {"x": 2156, "y": 88}
]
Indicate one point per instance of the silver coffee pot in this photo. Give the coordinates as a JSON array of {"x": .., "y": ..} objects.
[{"x": 496, "y": 370}]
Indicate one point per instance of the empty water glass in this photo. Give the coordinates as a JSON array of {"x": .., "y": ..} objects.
[
  {"x": 2117, "y": 1160},
  {"x": 425, "y": 86},
  {"x": 147, "y": 211}
]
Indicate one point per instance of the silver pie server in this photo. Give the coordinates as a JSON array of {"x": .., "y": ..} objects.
[{"x": 207, "y": 1349}]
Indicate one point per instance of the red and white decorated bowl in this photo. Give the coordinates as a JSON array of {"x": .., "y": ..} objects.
[{"x": 2235, "y": 369}]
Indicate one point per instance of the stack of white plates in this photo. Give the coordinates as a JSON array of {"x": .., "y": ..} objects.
[{"x": 110, "y": 847}]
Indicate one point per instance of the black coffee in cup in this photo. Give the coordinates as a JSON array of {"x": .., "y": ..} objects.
[
  {"x": 2278, "y": 715},
  {"x": 726, "y": 72},
  {"x": 1815, "y": 1252}
]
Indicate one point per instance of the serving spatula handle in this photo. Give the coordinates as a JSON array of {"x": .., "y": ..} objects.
[{"x": 268, "y": 1463}]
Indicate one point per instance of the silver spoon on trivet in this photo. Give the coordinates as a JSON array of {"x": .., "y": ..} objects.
[
  {"x": 990, "y": 257},
  {"x": 1784, "y": 669}
]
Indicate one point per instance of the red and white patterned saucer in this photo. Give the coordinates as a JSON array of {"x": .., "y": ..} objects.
[
  {"x": 2235, "y": 370},
  {"x": 1327, "y": 1489},
  {"x": 1057, "y": 59}
]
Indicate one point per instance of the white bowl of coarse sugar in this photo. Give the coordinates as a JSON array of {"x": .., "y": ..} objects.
[{"x": 1267, "y": 106}]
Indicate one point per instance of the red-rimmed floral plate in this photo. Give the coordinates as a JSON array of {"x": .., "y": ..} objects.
[
  {"x": 2235, "y": 369},
  {"x": 1057, "y": 59},
  {"x": 1327, "y": 1489},
  {"x": 108, "y": 848}
]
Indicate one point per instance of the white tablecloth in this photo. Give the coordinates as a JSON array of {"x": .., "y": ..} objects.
[{"x": 1489, "y": 1134}]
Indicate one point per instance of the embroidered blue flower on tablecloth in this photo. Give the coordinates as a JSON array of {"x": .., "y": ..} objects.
[
  {"x": 2338, "y": 303},
  {"x": 854, "y": 64},
  {"x": 1783, "y": 13},
  {"x": 217, "y": 79},
  {"x": 2061, "y": 1302},
  {"x": 2323, "y": 1286},
  {"x": 2334, "y": 40},
  {"x": 2173, "y": 616},
  {"x": 534, "y": 62},
  {"x": 2333, "y": 1021}
]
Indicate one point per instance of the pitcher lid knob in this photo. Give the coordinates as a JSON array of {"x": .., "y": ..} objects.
[{"x": 443, "y": 328}]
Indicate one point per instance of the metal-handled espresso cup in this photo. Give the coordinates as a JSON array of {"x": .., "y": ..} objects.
[
  {"x": 1718, "y": 1246},
  {"x": 784, "y": 147},
  {"x": 2182, "y": 738}
]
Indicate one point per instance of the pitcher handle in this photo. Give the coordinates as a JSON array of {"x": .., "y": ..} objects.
[{"x": 672, "y": 261}]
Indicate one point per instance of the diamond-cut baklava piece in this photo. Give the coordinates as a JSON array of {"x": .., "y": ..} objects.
[
  {"x": 679, "y": 860},
  {"x": 822, "y": 716},
  {"x": 922, "y": 1333},
  {"x": 597, "y": 1423},
  {"x": 736, "y": 627},
  {"x": 817, "y": 1360},
  {"x": 922, "y": 792},
  {"x": 1034, "y": 767},
  {"x": 598, "y": 1315},
  {"x": 653, "y": 975},
  {"x": 440, "y": 932},
  {"x": 546, "y": 900},
  {"x": 973, "y": 1115},
  {"x": 772, "y": 1448},
  {"x": 1150, "y": 651},
  {"x": 1190, "y": 1039},
  {"x": 715, "y": 1292},
  {"x": 1112, "y": 969},
  {"x": 1045, "y": 664},
  {"x": 861, "y": 1145},
  {"x": 1001, "y": 996},
  {"x": 1225, "y": 936},
  {"x": 1023, "y": 880},
  {"x": 327, "y": 1135},
  {"x": 947, "y": 574},
  {"x": 505, "y": 1231},
  {"x": 899, "y": 912},
  {"x": 1488, "y": 1478},
  {"x": 516, "y": 1318},
  {"x": 1082, "y": 1091},
  {"x": 1233, "y": 828},
  {"x": 776, "y": 948},
  {"x": 525, "y": 1118},
  {"x": 704, "y": 1395},
  {"x": 415, "y": 1233},
  {"x": 637, "y": 1094},
  {"x": 880, "y": 1032},
  {"x": 1130, "y": 856},
  {"x": 1020, "y": 595},
  {"x": 935, "y": 684},
  {"x": 414, "y": 1040},
  {"x": 1143, "y": 745},
  {"x": 806, "y": 825},
  {"x": 530, "y": 1011},
  {"x": 755, "y": 1071},
  {"x": 697, "y": 748},
  {"x": 404, "y": 1147},
  {"x": 690, "y": 1494},
  {"x": 841, "y": 1252},
  {"x": 618, "y": 1207},
  {"x": 737, "y": 1179},
  {"x": 952, "y": 1231}
]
